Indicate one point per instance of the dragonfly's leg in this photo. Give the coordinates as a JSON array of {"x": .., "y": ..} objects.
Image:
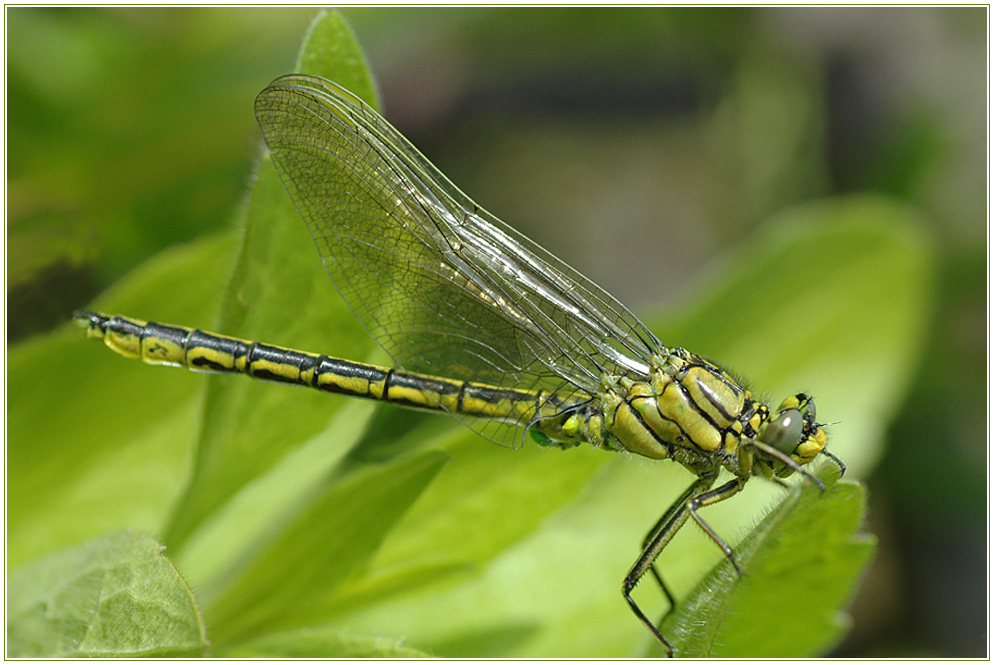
[
  {"x": 659, "y": 536},
  {"x": 731, "y": 488},
  {"x": 836, "y": 460},
  {"x": 677, "y": 506}
]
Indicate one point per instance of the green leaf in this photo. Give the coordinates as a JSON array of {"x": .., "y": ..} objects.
[
  {"x": 330, "y": 50},
  {"x": 254, "y": 516},
  {"x": 117, "y": 596},
  {"x": 113, "y": 451},
  {"x": 533, "y": 484},
  {"x": 801, "y": 563},
  {"x": 240, "y": 439},
  {"x": 294, "y": 578},
  {"x": 321, "y": 642}
]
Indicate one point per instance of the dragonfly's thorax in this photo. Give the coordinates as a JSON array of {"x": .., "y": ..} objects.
[
  {"x": 686, "y": 409},
  {"x": 691, "y": 411}
]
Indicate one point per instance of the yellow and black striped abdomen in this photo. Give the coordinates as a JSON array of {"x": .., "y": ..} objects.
[{"x": 162, "y": 344}]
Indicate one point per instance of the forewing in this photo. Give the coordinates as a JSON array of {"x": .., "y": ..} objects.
[{"x": 444, "y": 287}]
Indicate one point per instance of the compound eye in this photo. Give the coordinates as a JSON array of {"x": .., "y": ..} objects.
[{"x": 784, "y": 431}]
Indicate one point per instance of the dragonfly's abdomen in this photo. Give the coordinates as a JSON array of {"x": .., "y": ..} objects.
[{"x": 160, "y": 344}]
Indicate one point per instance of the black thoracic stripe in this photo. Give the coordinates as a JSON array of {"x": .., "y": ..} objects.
[
  {"x": 704, "y": 414},
  {"x": 718, "y": 406},
  {"x": 663, "y": 416},
  {"x": 638, "y": 416}
]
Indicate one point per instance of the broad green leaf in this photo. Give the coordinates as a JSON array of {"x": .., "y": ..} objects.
[
  {"x": 470, "y": 515},
  {"x": 330, "y": 50},
  {"x": 801, "y": 565},
  {"x": 293, "y": 579},
  {"x": 101, "y": 442},
  {"x": 278, "y": 294},
  {"x": 321, "y": 642},
  {"x": 220, "y": 548},
  {"x": 532, "y": 484},
  {"x": 117, "y": 596}
]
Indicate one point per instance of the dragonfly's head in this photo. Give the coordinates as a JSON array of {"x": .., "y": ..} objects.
[{"x": 792, "y": 430}]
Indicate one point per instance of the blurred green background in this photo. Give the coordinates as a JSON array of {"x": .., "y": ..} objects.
[{"x": 606, "y": 135}]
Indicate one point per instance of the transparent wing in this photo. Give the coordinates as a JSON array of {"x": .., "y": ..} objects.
[{"x": 445, "y": 287}]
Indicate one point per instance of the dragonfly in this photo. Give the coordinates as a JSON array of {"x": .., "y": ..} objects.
[{"x": 484, "y": 324}]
